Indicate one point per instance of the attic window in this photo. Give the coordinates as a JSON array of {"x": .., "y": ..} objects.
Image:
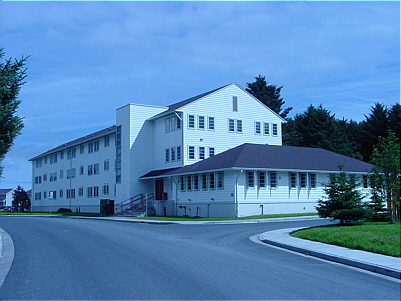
[{"x": 235, "y": 104}]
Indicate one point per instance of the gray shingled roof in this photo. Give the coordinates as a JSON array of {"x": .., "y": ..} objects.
[
  {"x": 78, "y": 141},
  {"x": 272, "y": 157}
]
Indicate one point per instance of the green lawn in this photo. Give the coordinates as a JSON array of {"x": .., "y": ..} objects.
[{"x": 382, "y": 238}]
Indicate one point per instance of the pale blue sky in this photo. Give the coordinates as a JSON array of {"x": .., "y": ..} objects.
[{"x": 89, "y": 58}]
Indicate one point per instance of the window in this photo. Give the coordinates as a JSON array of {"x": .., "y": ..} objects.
[
  {"x": 96, "y": 169},
  {"x": 239, "y": 126},
  {"x": 273, "y": 179},
  {"x": 201, "y": 122},
  {"x": 312, "y": 180},
  {"x": 211, "y": 123},
  {"x": 204, "y": 181},
  {"x": 178, "y": 153},
  {"x": 45, "y": 160},
  {"x": 53, "y": 195},
  {"x": 235, "y": 104},
  {"x": 38, "y": 163},
  {"x": 275, "y": 129},
  {"x": 81, "y": 148},
  {"x": 231, "y": 125},
  {"x": 182, "y": 182},
  {"x": 71, "y": 173},
  {"x": 196, "y": 182},
  {"x": 61, "y": 173},
  {"x": 118, "y": 154},
  {"x": 106, "y": 165},
  {"x": 220, "y": 180},
  {"x": 266, "y": 128},
  {"x": 38, "y": 179},
  {"x": 106, "y": 189},
  {"x": 96, "y": 145},
  {"x": 61, "y": 155},
  {"x": 89, "y": 193},
  {"x": 167, "y": 125},
  {"x": 106, "y": 141},
  {"x": 90, "y": 169},
  {"x": 191, "y": 152},
  {"x": 173, "y": 123},
  {"x": 44, "y": 194},
  {"x": 211, "y": 151},
  {"x": 81, "y": 170},
  {"x": 173, "y": 154},
  {"x": 191, "y": 121},
  {"x": 90, "y": 147},
  {"x": 293, "y": 180},
  {"x": 212, "y": 184},
  {"x": 38, "y": 196},
  {"x": 61, "y": 193},
  {"x": 178, "y": 123},
  {"x": 201, "y": 152},
  {"x": 262, "y": 179},
  {"x": 250, "y": 179},
  {"x": 81, "y": 191},
  {"x": 167, "y": 155},
  {"x": 365, "y": 181},
  {"x": 302, "y": 180},
  {"x": 189, "y": 183},
  {"x": 45, "y": 177},
  {"x": 53, "y": 159},
  {"x": 71, "y": 153},
  {"x": 53, "y": 176},
  {"x": 257, "y": 127},
  {"x": 70, "y": 193}
]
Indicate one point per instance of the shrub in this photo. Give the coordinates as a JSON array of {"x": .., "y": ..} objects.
[{"x": 64, "y": 210}]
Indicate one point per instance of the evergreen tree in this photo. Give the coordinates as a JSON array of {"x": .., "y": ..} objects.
[
  {"x": 394, "y": 116},
  {"x": 342, "y": 200},
  {"x": 12, "y": 76},
  {"x": 268, "y": 95},
  {"x": 21, "y": 199}
]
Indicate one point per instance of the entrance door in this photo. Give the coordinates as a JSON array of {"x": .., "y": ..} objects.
[{"x": 159, "y": 189}]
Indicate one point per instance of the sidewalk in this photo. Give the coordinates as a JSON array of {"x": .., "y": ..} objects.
[{"x": 385, "y": 265}]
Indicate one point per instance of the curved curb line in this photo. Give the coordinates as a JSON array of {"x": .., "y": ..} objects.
[{"x": 6, "y": 254}]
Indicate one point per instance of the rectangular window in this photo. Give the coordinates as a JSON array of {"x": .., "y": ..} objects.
[
  {"x": 106, "y": 141},
  {"x": 90, "y": 169},
  {"x": 182, "y": 182},
  {"x": 45, "y": 177},
  {"x": 173, "y": 154},
  {"x": 275, "y": 129},
  {"x": 178, "y": 153},
  {"x": 293, "y": 180},
  {"x": 61, "y": 155},
  {"x": 257, "y": 127},
  {"x": 89, "y": 192},
  {"x": 81, "y": 191},
  {"x": 231, "y": 125},
  {"x": 212, "y": 184},
  {"x": 201, "y": 152},
  {"x": 211, "y": 151},
  {"x": 191, "y": 121},
  {"x": 262, "y": 179},
  {"x": 96, "y": 146},
  {"x": 220, "y": 180},
  {"x": 81, "y": 170},
  {"x": 71, "y": 173},
  {"x": 52, "y": 195},
  {"x": 191, "y": 152},
  {"x": 204, "y": 181},
  {"x": 201, "y": 122},
  {"x": 71, "y": 153},
  {"x": 365, "y": 181},
  {"x": 239, "y": 126},
  {"x": 38, "y": 163},
  {"x": 178, "y": 123},
  {"x": 90, "y": 147},
  {"x": 196, "y": 182},
  {"x": 189, "y": 183},
  {"x": 167, "y": 125},
  {"x": 211, "y": 123},
  {"x": 96, "y": 169},
  {"x": 61, "y": 173},
  {"x": 53, "y": 159},
  {"x": 167, "y": 157},
  {"x": 38, "y": 196},
  {"x": 106, "y": 165},
  {"x": 81, "y": 148},
  {"x": 250, "y": 179},
  {"x": 106, "y": 189},
  {"x": 312, "y": 180},
  {"x": 235, "y": 104},
  {"x": 266, "y": 128},
  {"x": 173, "y": 123},
  {"x": 302, "y": 180},
  {"x": 273, "y": 179},
  {"x": 61, "y": 193}
]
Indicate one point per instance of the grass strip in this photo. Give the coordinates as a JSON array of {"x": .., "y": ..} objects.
[{"x": 379, "y": 237}]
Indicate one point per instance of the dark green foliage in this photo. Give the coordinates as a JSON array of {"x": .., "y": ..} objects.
[
  {"x": 380, "y": 212},
  {"x": 64, "y": 210},
  {"x": 268, "y": 95},
  {"x": 21, "y": 199},
  {"x": 317, "y": 127},
  {"x": 342, "y": 200},
  {"x": 12, "y": 76}
]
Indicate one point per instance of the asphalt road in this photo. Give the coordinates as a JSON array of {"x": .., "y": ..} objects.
[{"x": 63, "y": 258}]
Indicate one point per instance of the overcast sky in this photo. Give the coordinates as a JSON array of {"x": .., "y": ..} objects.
[{"x": 89, "y": 58}]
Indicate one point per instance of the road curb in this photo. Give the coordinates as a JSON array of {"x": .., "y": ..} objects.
[{"x": 6, "y": 255}]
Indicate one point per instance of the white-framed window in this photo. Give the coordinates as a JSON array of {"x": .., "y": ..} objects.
[
  {"x": 96, "y": 146},
  {"x": 178, "y": 123},
  {"x": 173, "y": 154},
  {"x": 191, "y": 152},
  {"x": 106, "y": 141},
  {"x": 204, "y": 181},
  {"x": 257, "y": 127},
  {"x": 167, "y": 125},
  {"x": 191, "y": 121},
  {"x": 210, "y": 123},
  {"x": 293, "y": 179},
  {"x": 71, "y": 173},
  {"x": 178, "y": 153},
  {"x": 82, "y": 148},
  {"x": 302, "y": 180},
  {"x": 239, "y": 126},
  {"x": 53, "y": 158},
  {"x": 45, "y": 177},
  {"x": 106, "y": 189},
  {"x": 61, "y": 155},
  {"x": 275, "y": 129},
  {"x": 235, "y": 104},
  {"x": 106, "y": 165},
  {"x": 38, "y": 163},
  {"x": 201, "y": 152},
  {"x": 262, "y": 179},
  {"x": 90, "y": 147},
  {"x": 71, "y": 153},
  {"x": 81, "y": 191},
  {"x": 96, "y": 169},
  {"x": 201, "y": 122},
  {"x": 220, "y": 180},
  {"x": 312, "y": 180},
  {"x": 273, "y": 179},
  {"x": 211, "y": 151},
  {"x": 266, "y": 128},
  {"x": 89, "y": 191},
  {"x": 61, "y": 193},
  {"x": 90, "y": 169},
  {"x": 212, "y": 181},
  {"x": 61, "y": 173},
  {"x": 96, "y": 191},
  {"x": 231, "y": 125},
  {"x": 196, "y": 182},
  {"x": 189, "y": 183},
  {"x": 167, "y": 156},
  {"x": 250, "y": 179},
  {"x": 182, "y": 183}
]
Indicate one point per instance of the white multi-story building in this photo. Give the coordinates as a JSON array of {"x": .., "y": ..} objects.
[{"x": 216, "y": 154}]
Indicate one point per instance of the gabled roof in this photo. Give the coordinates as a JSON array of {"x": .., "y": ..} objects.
[
  {"x": 273, "y": 157},
  {"x": 78, "y": 141},
  {"x": 5, "y": 191}
]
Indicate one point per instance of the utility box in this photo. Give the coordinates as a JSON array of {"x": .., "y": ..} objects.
[{"x": 106, "y": 207}]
